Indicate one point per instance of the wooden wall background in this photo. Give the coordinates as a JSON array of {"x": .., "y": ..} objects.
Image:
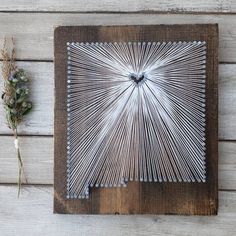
[{"x": 31, "y": 23}]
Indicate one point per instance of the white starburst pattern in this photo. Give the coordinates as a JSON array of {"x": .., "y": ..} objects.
[{"x": 136, "y": 112}]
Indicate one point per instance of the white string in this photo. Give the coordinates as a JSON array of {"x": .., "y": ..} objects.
[
  {"x": 16, "y": 143},
  {"x": 136, "y": 112}
]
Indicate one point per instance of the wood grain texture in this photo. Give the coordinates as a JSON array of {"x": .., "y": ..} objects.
[
  {"x": 139, "y": 197},
  {"x": 36, "y": 40},
  {"x": 40, "y": 121},
  {"x": 31, "y": 214},
  {"x": 173, "y": 6},
  {"x": 227, "y": 165},
  {"x": 37, "y": 153},
  {"x": 227, "y": 104}
]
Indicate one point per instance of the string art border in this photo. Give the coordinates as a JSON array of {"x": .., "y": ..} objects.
[{"x": 136, "y": 112}]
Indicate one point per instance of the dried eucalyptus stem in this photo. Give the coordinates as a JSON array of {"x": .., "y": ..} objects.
[{"x": 15, "y": 97}]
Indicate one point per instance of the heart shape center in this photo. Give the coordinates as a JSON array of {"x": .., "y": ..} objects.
[{"x": 137, "y": 78}]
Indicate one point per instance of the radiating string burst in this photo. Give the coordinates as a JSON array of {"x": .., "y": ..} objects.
[{"x": 136, "y": 112}]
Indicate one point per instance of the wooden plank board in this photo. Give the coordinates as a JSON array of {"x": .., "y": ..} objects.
[
  {"x": 36, "y": 40},
  {"x": 227, "y": 104},
  {"x": 174, "y": 6},
  {"x": 227, "y": 165},
  {"x": 138, "y": 197},
  {"x": 37, "y": 153},
  {"x": 40, "y": 121},
  {"x": 32, "y": 214}
]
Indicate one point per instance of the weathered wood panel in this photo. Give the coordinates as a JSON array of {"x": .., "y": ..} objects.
[
  {"x": 227, "y": 165},
  {"x": 40, "y": 121},
  {"x": 34, "y": 32},
  {"x": 138, "y": 198},
  {"x": 31, "y": 214},
  {"x": 227, "y": 104},
  {"x": 37, "y": 154},
  {"x": 175, "y": 6}
]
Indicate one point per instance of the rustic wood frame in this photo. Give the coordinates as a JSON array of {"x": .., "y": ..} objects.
[{"x": 139, "y": 197}]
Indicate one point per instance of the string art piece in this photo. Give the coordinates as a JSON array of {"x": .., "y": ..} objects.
[{"x": 135, "y": 112}]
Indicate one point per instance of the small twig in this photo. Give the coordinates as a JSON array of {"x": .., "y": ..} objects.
[
  {"x": 15, "y": 99},
  {"x": 21, "y": 171}
]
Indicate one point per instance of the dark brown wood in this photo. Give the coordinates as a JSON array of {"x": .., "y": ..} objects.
[{"x": 139, "y": 198}]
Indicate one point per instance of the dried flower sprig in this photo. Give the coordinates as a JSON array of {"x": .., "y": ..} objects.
[{"x": 15, "y": 98}]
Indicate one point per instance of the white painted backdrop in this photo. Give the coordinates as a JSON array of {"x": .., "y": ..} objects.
[{"x": 31, "y": 23}]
